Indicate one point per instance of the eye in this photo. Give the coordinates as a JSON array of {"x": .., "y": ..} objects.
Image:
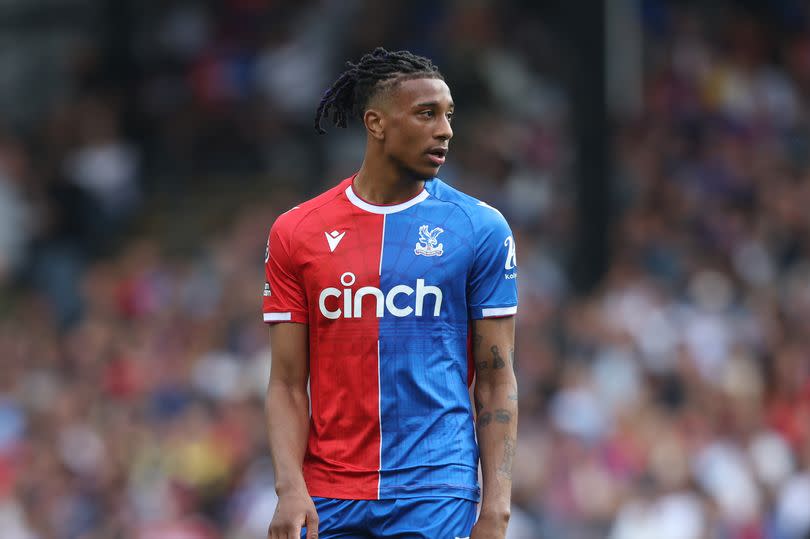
[
  {"x": 427, "y": 113},
  {"x": 449, "y": 117}
]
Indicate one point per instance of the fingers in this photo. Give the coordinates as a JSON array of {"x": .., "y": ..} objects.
[
  {"x": 288, "y": 523},
  {"x": 312, "y": 524},
  {"x": 288, "y": 531}
]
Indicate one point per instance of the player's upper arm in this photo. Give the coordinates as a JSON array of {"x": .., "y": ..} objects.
[
  {"x": 493, "y": 278},
  {"x": 289, "y": 347},
  {"x": 494, "y": 349}
]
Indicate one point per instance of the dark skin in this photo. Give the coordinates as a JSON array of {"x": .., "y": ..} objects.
[
  {"x": 404, "y": 122},
  {"x": 287, "y": 407},
  {"x": 495, "y": 395},
  {"x": 407, "y": 127}
]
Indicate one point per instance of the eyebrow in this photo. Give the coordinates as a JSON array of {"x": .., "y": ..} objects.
[{"x": 433, "y": 104}]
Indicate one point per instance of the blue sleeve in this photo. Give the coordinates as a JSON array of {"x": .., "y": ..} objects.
[{"x": 492, "y": 289}]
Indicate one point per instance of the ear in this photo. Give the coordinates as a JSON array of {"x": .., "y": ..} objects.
[{"x": 374, "y": 121}]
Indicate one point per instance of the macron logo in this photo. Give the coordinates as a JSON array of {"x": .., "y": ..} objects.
[{"x": 333, "y": 238}]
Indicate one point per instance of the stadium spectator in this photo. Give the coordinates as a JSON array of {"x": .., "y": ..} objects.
[{"x": 675, "y": 397}]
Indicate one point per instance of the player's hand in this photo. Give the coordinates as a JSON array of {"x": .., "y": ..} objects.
[
  {"x": 294, "y": 511},
  {"x": 489, "y": 527}
]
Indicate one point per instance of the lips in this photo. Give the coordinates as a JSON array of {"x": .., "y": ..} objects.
[{"x": 437, "y": 155}]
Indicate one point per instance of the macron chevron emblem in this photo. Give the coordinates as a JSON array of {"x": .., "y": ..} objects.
[{"x": 333, "y": 238}]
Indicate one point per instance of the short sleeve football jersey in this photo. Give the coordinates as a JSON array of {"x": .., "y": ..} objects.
[{"x": 388, "y": 293}]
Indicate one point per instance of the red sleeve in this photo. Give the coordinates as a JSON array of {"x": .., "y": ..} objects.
[{"x": 284, "y": 298}]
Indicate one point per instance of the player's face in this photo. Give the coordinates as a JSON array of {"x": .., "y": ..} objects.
[{"x": 418, "y": 132}]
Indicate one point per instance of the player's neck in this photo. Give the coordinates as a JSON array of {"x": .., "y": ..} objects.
[{"x": 385, "y": 187}]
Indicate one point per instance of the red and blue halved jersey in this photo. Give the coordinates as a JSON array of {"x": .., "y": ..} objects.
[{"x": 388, "y": 293}]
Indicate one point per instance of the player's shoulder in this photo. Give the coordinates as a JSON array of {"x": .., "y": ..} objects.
[
  {"x": 481, "y": 214},
  {"x": 295, "y": 216}
]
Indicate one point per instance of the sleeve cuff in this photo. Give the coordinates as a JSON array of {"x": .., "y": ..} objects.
[
  {"x": 493, "y": 312},
  {"x": 274, "y": 317}
]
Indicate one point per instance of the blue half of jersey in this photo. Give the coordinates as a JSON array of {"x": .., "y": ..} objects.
[{"x": 428, "y": 444}]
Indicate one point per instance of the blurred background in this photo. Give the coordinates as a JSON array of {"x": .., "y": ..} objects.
[{"x": 652, "y": 157}]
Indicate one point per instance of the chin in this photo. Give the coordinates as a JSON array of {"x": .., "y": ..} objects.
[
  {"x": 424, "y": 175},
  {"x": 419, "y": 171}
]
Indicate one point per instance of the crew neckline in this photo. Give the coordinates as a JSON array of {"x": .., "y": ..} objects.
[{"x": 383, "y": 209}]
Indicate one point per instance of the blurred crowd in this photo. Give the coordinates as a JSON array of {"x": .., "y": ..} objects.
[
  {"x": 675, "y": 400},
  {"x": 671, "y": 402}
]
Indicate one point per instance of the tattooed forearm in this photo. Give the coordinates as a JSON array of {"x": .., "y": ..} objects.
[
  {"x": 477, "y": 340},
  {"x": 497, "y": 360},
  {"x": 484, "y": 419},
  {"x": 512, "y": 396},
  {"x": 503, "y": 416},
  {"x": 478, "y": 407},
  {"x": 505, "y": 468},
  {"x": 481, "y": 365},
  {"x": 512, "y": 356}
]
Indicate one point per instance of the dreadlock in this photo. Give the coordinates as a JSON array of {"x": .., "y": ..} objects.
[{"x": 350, "y": 93}]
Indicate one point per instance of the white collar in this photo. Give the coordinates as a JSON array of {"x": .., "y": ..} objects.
[{"x": 384, "y": 210}]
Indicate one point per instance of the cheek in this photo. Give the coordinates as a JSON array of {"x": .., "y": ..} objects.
[
  {"x": 411, "y": 138},
  {"x": 405, "y": 140}
]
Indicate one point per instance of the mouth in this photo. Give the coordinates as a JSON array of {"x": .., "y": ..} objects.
[{"x": 437, "y": 155}]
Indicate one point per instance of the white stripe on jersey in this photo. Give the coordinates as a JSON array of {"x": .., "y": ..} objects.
[
  {"x": 499, "y": 311},
  {"x": 277, "y": 317}
]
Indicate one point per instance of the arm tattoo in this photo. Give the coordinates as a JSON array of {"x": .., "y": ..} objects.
[
  {"x": 497, "y": 360},
  {"x": 477, "y": 340},
  {"x": 484, "y": 419},
  {"x": 478, "y": 407},
  {"x": 505, "y": 469},
  {"x": 503, "y": 416},
  {"x": 512, "y": 356},
  {"x": 513, "y": 396}
]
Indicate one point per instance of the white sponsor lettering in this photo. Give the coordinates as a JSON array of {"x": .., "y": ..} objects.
[
  {"x": 422, "y": 291},
  {"x": 511, "y": 256},
  {"x": 392, "y": 302},
  {"x": 366, "y": 291},
  {"x": 325, "y": 293},
  {"x": 392, "y": 307},
  {"x": 347, "y": 279}
]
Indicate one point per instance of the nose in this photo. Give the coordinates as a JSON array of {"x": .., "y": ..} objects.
[{"x": 444, "y": 131}]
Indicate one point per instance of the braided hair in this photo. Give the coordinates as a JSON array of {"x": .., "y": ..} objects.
[{"x": 350, "y": 93}]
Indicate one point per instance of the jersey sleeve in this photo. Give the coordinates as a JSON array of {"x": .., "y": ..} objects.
[
  {"x": 493, "y": 280},
  {"x": 284, "y": 298}
]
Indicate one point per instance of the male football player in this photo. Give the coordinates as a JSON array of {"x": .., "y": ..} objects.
[{"x": 388, "y": 296}]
